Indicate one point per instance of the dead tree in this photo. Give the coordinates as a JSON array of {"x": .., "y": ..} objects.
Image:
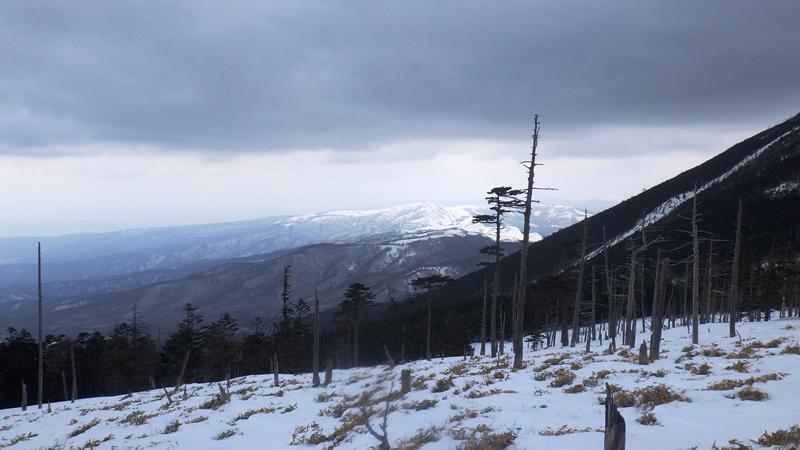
[
  {"x": 328, "y": 371},
  {"x": 383, "y": 436},
  {"x": 519, "y": 312},
  {"x": 424, "y": 286},
  {"x": 576, "y": 315},
  {"x": 614, "y": 438},
  {"x": 405, "y": 381},
  {"x": 483, "y": 317},
  {"x": 502, "y": 200},
  {"x": 707, "y": 314},
  {"x": 179, "y": 381},
  {"x": 41, "y": 352},
  {"x": 74, "y": 376},
  {"x": 502, "y": 344},
  {"x": 733, "y": 298},
  {"x": 24, "y": 402},
  {"x": 695, "y": 271},
  {"x": 275, "y": 370},
  {"x": 64, "y": 384},
  {"x": 612, "y": 324},
  {"x": 315, "y": 350},
  {"x": 657, "y": 317},
  {"x": 594, "y": 306}
]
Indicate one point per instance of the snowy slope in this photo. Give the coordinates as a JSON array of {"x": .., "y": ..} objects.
[{"x": 485, "y": 396}]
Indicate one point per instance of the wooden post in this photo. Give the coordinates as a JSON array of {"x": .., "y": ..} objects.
[
  {"x": 405, "y": 380},
  {"x": 614, "y": 438}
]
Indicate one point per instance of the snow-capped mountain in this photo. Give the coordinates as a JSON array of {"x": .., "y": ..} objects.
[{"x": 88, "y": 255}]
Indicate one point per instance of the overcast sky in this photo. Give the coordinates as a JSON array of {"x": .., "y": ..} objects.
[{"x": 132, "y": 113}]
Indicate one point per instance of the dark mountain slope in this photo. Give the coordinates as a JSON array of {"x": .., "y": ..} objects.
[{"x": 764, "y": 170}]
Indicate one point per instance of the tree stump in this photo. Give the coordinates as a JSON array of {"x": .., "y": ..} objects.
[
  {"x": 644, "y": 359},
  {"x": 405, "y": 381},
  {"x": 615, "y": 424}
]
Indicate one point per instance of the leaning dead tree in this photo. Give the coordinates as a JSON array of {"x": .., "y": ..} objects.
[
  {"x": 733, "y": 298},
  {"x": 383, "y": 436},
  {"x": 576, "y": 316},
  {"x": 614, "y": 438}
]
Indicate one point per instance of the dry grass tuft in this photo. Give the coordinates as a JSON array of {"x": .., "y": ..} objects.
[
  {"x": 225, "y": 434},
  {"x": 216, "y": 401},
  {"x": 791, "y": 349},
  {"x": 750, "y": 393},
  {"x": 702, "y": 369},
  {"x": 172, "y": 427},
  {"x": 647, "y": 418},
  {"x": 564, "y": 430},
  {"x": 575, "y": 389},
  {"x": 484, "y": 439},
  {"x": 442, "y": 385},
  {"x": 423, "y": 436},
  {"x": 83, "y": 428},
  {"x": 420, "y": 405},
  {"x": 739, "y": 366},
  {"x": 562, "y": 377}
]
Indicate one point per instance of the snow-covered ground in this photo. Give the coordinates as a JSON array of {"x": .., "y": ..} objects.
[{"x": 485, "y": 398}]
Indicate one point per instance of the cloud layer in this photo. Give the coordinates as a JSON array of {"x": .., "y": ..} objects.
[{"x": 229, "y": 77}]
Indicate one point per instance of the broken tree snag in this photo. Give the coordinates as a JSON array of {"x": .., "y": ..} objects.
[
  {"x": 389, "y": 359},
  {"x": 615, "y": 424},
  {"x": 329, "y": 371},
  {"x": 276, "y": 380},
  {"x": 179, "y": 381},
  {"x": 643, "y": 357},
  {"x": 405, "y": 381}
]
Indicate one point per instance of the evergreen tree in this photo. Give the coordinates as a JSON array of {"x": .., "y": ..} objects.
[{"x": 357, "y": 297}]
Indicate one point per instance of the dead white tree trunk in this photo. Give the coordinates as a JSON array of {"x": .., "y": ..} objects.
[
  {"x": 315, "y": 350},
  {"x": 41, "y": 352},
  {"x": 518, "y": 326},
  {"x": 74, "y": 376},
  {"x": 576, "y": 315},
  {"x": 483, "y": 317},
  {"x": 733, "y": 299},
  {"x": 695, "y": 271}
]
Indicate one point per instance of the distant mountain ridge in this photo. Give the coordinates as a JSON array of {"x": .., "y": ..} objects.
[{"x": 92, "y": 280}]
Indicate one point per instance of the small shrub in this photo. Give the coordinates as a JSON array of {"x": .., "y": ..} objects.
[
  {"x": 216, "y": 401},
  {"x": 198, "y": 419},
  {"x": 647, "y": 418},
  {"x": 83, "y": 428},
  {"x": 791, "y": 349},
  {"x": 576, "y": 365},
  {"x": 752, "y": 394},
  {"x": 323, "y": 397},
  {"x": 712, "y": 351},
  {"x": 702, "y": 369},
  {"x": 423, "y": 436},
  {"x": 602, "y": 374},
  {"x": 783, "y": 438},
  {"x": 563, "y": 430},
  {"x": 251, "y": 412},
  {"x": 481, "y": 394},
  {"x": 739, "y": 366},
  {"x": 466, "y": 414},
  {"x": 483, "y": 440},
  {"x": 225, "y": 434},
  {"x": 562, "y": 377},
  {"x": 658, "y": 394},
  {"x": 172, "y": 427},
  {"x": 136, "y": 418},
  {"x": 420, "y": 405},
  {"x": 575, "y": 389},
  {"x": 442, "y": 385}
]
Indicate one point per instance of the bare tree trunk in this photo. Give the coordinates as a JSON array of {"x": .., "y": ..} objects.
[
  {"x": 41, "y": 352},
  {"x": 428, "y": 334},
  {"x": 630, "y": 315},
  {"x": 355, "y": 338},
  {"x": 24, "y": 402},
  {"x": 614, "y": 438},
  {"x": 405, "y": 381},
  {"x": 519, "y": 322},
  {"x": 64, "y": 383},
  {"x": 709, "y": 284},
  {"x": 612, "y": 324},
  {"x": 594, "y": 306},
  {"x": 403, "y": 345},
  {"x": 502, "y": 346},
  {"x": 74, "y": 377},
  {"x": 329, "y": 371},
  {"x": 695, "y": 271},
  {"x": 657, "y": 321},
  {"x": 576, "y": 315},
  {"x": 733, "y": 299},
  {"x": 179, "y": 381},
  {"x": 496, "y": 284},
  {"x": 275, "y": 370},
  {"x": 315, "y": 350},
  {"x": 483, "y": 318}
]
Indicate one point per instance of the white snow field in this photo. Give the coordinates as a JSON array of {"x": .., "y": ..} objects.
[{"x": 486, "y": 399}]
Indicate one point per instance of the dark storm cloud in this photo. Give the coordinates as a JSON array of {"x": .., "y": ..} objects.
[{"x": 243, "y": 76}]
